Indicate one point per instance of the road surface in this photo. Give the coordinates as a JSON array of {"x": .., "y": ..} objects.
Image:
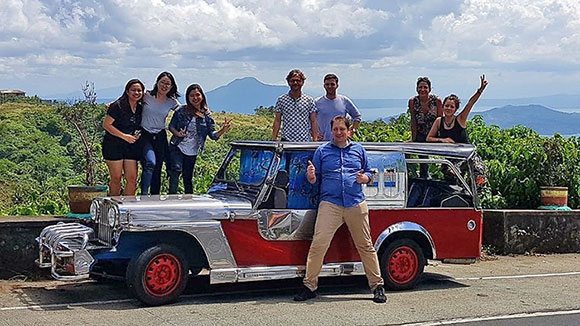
[{"x": 512, "y": 291}]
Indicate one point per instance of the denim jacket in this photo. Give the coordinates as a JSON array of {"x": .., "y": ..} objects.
[{"x": 205, "y": 126}]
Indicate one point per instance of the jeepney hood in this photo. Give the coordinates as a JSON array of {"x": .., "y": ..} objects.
[{"x": 178, "y": 209}]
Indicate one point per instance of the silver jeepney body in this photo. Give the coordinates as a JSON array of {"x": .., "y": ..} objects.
[
  {"x": 66, "y": 248},
  {"x": 197, "y": 215}
]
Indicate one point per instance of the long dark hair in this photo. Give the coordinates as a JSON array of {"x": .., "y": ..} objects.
[
  {"x": 203, "y": 106},
  {"x": 130, "y": 83},
  {"x": 173, "y": 93}
]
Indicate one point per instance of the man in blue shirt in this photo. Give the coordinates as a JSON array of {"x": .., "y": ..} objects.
[
  {"x": 333, "y": 104},
  {"x": 341, "y": 167}
]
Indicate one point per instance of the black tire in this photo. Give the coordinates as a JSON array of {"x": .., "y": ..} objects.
[
  {"x": 402, "y": 264},
  {"x": 158, "y": 275}
]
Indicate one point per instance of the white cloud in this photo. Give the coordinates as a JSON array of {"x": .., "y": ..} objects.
[
  {"x": 507, "y": 32},
  {"x": 218, "y": 40}
]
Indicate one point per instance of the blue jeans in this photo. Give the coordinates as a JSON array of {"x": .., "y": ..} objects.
[
  {"x": 154, "y": 154},
  {"x": 180, "y": 163}
]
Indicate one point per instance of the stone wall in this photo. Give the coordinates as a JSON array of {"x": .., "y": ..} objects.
[
  {"x": 532, "y": 231},
  {"x": 18, "y": 248}
]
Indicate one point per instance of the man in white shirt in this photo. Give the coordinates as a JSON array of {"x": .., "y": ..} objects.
[{"x": 296, "y": 112}]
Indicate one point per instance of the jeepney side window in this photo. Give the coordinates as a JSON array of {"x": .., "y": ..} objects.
[
  {"x": 388, "y": 185},
  {"x": 442, "y": 188},
  {"x": 246, "y": 166},
  {"x": 254, "y": 165},
  {"x": 301, "y": 194}
]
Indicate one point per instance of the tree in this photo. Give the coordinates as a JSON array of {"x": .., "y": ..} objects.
[
  {"x": 263, "y": 110},
  {"x": 85, "y": 117}
]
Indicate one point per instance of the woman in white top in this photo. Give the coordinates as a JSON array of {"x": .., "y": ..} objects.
[{"x": 158, "y": 103}]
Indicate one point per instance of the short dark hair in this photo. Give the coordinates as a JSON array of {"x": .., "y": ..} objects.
[
  {"x": 340, "y": 118},
  {"x": 191, "y": 88},
  {"x": 173, "y": 93},
  {"x": 453, "y": 97},
  {"x": 296, "y": 72},
  {"x": 424, "y": 79},
  {"x": 331, "y": 76}
]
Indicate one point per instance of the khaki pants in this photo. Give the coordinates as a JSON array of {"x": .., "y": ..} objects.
[{"x": 330, "y": 218}]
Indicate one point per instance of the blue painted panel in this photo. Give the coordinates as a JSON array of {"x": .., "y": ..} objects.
[{"x": 254, "y": 165}]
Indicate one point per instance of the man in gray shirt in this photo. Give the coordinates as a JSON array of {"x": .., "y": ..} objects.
[{"x": 332, "y": 105}]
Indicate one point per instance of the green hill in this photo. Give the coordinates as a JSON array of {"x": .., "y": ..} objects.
[{"x": 40, "y": 155}]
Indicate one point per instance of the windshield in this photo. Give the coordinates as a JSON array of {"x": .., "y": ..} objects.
[{"x": 245, "y": 167}]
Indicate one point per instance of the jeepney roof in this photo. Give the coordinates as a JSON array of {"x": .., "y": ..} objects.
[{"x": 439, "y": 149}]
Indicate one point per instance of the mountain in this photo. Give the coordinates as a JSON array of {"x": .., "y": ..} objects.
[
  {"x": 244, "y": 95},
  {"x": 543, "y": 120},
  {"x": 560, "y": 101}
]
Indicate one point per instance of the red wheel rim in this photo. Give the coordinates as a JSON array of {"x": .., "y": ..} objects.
[
  {"x": 163, "y": 275},
  {"x": 403, "y": 265}
]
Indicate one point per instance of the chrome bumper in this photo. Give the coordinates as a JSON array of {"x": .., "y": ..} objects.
[{"x": 64, "y": 248}]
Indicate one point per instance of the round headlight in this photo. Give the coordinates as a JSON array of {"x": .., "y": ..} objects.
[
  {"x": 94, "y": 210},
  {"x": 112, "y": 215}
]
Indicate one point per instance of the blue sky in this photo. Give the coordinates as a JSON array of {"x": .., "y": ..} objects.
[{"x": 378, "y": 48}]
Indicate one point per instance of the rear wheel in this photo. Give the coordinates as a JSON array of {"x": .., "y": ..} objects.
[
  {"x": 158, "y": 275},
  {"x": 402, "y": 264}
]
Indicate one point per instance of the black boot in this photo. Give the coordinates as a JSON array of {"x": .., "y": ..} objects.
[
  {"x": 305, "y": 294},
  {"x": 379, "y": 295}
]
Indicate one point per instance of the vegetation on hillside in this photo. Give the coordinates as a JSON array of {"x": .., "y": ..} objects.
[{"x": 40, "y": 154}]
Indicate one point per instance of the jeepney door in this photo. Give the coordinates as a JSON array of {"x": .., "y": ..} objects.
[{"x": 290, "y": 211}]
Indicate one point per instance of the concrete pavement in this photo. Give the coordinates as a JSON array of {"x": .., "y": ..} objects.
[{"x": 498, "y": 287}]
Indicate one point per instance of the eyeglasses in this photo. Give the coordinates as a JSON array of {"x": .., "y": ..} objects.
[
  {"x": 162, "y": 83},
  {"x": 295, "y": 81}
]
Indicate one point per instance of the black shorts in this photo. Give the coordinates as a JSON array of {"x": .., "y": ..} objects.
[{"x": 118, "y": 149}]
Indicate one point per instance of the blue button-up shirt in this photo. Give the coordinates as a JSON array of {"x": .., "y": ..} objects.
[{"x": 336, "y": 170}]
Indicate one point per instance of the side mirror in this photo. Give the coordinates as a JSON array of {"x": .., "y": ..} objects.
[{"x": 282, "y": 179}]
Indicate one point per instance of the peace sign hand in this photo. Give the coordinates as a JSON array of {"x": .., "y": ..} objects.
[
  {"x": 483, "y": 83},
  {"x": 227, "y": 124}
]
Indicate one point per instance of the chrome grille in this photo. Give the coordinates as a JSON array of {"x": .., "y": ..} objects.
[{"x": 104, "y": 231}]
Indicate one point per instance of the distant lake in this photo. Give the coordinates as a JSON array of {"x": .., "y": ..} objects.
[{"x": 374, "y": 113}]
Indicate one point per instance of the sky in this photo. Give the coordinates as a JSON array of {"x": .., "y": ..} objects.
[{"x": 378, "y": 48}]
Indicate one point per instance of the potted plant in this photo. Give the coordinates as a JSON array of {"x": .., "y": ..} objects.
[
  {"x": 554, "y": 191},
  {"x": 85, "y": 117}
]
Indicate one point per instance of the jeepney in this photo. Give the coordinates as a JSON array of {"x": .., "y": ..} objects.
[{"x": 257, "y": 220}]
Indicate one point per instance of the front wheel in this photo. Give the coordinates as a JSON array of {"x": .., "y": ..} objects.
[
  {"x": 158, "y": 275},
  {"x": 402, "y": 264}
]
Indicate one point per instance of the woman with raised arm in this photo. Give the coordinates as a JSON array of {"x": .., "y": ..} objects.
[
  {"x": 121, "y": 148},
  {"x": 158, "y": 103},
  {"x": 451, "y": 128},
  {"x": 190, "y": 125}
]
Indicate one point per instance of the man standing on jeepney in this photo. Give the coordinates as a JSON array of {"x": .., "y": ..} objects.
[
  {"x": 341, "y": 166},
  {"x": 332, "y": 104},
  {"x": 296, "y": 112}
]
